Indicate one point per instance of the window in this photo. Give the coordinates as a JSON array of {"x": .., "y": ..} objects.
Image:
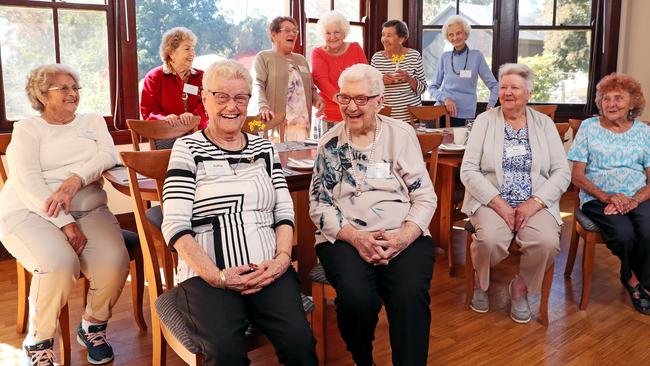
[{"x": 75, "y": 33}]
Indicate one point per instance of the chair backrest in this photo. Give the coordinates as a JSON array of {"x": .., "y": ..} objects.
[
  {"x": 429, "y": 145},
  {"x": 428, "y": 113},
  {"x": 158, "y": 130},
  {"x": 5, "y": 139},
  {"x": 151, "y": 164},
  {"x": 277, "y": 123},
  {"x": 562, "y": 128},
  {"x": 547, "y": 109},
  {"x": 574, "y": 124},
  {"x": 386, "y": 111}
]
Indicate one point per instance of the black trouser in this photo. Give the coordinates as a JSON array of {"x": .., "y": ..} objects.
[
  {"x": 453, "y": 122},
  {"x": 403, "y": 285},
  {"x": 218, "y": 320},
  {"x": 627, "y": 236}
]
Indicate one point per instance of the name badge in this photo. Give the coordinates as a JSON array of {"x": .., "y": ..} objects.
[
  {"x": 217, "y": 168},
  {"x": 517, "y": 150},
  {"x": 304, "y": 69},
  {"x": 379, "y": 170},
  {"x": 465, "y": 74},
  {"x": 88, "y": 134},
  {"x": 190, "y": 89}
]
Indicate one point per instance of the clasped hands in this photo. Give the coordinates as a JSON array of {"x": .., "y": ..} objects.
[
  {"x": 399, "y": 76},
  {"x": 249, "y": 279},
  {"x": 379, "y": 247},
  {"x": 515, "y": 218},
  {"x": 60, "y": 200},
  {"x": 619, "y": 204}
]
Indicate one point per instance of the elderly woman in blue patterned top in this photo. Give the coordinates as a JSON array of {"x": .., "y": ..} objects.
[
  {"x": 226, "y": 204},
  {"x": 611, "y": 166},
  {"x": 514, "y": 171}
]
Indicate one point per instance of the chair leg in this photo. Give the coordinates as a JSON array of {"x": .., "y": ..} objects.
[
  {"x": 159, "y": 356},
  {"x": 137, "y": 288},
  {"x": 319, "y": 321},
  {"x": 24, "y": 281},
  {"x": 587, "y": 268},
  {"x": 469, "y": 271},
  {"x": 64, "y": 344},
  {"x": 573, "y": 250},
  {"x": 546, "y": 293}
]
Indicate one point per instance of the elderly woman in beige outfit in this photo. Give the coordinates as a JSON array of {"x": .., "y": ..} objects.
[
  {"x": 284, "y": 83},
  {"x": 514, "y": 171}
]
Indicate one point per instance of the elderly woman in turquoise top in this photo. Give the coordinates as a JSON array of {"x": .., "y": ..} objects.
[{"x": 611, "y": 166}]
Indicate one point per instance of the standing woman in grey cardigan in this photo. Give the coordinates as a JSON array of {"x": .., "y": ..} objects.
[
  {"x": 284, "y": 83},
  {"x": 514, "y": 171}
]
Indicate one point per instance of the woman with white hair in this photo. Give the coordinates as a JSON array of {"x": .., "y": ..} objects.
[
  {"x": 457, "y": 74},
  {"x": 371, "y": 200},
  {"x": 172, "y": 92},
  {"x": 514, "y": 171},
  {"x": 329, "y": 61},
  {"x": 228, "y": 213}
]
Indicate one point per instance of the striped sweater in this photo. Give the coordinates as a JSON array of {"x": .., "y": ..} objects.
[
  {"x": 400, "y": 95},
  {"x": 231, "y": 216}
]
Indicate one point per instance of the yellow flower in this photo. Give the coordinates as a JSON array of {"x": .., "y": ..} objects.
[
  {"x": 397, "y": 58},
  {"x": 255, "y": 123}
]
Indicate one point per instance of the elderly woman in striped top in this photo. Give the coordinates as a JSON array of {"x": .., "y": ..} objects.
[
  {"x": 402, "y": 70},
  {"x": 229, "y": 215}
]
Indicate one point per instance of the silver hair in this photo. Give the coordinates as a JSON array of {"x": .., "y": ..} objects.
[
  {"x": 333, "y": 18},
  {"x": 518, "y": 69},
  {"x": 456, "y": 19},
  {"x": 227, "y": 69},
  {"x": 366, "y": 73},
  {"x": 40, "y": 79},
  {"x": 172, "y": 39}
]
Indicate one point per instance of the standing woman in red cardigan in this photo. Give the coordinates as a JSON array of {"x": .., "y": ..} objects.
[{"x": 172, "y": 92}]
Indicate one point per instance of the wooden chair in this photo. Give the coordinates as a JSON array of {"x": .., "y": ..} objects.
[
  {"x": 469, "y": 277},
  {"x": 386, "y": 111},
  {"x": 547, "y": 109},
  {"x": 562, "y": 129},
  {"x": 167, "y": 324},
  {"x": 24, "y": 278},
  {"x": 322, "y": 290},
  {"x": 160, "y": 133},
  {"x": 429, "y": 113},
  {"x": 278, "y": 123}
]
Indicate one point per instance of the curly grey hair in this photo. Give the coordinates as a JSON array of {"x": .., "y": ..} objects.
[
  {"x": 456, "y": 19},
  {"x": 172, "y": 39},
  {"x": 333, "y": 18},
  {"x": 518, "y": 69},
  {"x": 40, "y": 79},
  {"x": 366, "y": 73},
  {"x": 227, "y": 69}
]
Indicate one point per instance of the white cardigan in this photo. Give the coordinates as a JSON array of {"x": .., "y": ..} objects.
[{"x": 482, "y": 173}]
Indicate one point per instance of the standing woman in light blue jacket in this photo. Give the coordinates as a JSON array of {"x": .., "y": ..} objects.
[{"x": 457, "y": 74}]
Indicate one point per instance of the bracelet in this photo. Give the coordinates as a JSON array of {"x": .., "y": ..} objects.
[
  {"x": 222, "y": 276},
  {"x": 539, "y": 201},
  {"x": 277, "y": 254}
]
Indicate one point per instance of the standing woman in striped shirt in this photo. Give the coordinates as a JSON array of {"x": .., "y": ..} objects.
[{"x": 402, "y": 70}]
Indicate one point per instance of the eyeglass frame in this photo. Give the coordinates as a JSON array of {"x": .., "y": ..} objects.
[
  {"x": 65, "y": 89},
  {"x": 230, "y": 97},
  {"x": 366, "y": 97},
  {"x": 294, "y": 31}
]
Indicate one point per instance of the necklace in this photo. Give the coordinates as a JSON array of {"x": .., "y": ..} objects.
[
  {"x": 454, "y": 52},
  {"x": 359, "y": 182},
  {"x": 241, "y": 153}
]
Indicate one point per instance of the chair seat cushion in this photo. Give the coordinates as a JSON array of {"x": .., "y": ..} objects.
[
  {"x": 132, "y": 242},
  {"x": 317, "y": 274},
  {"x": 307, "y": 303},
  {"x": 469, "y": 227},
  {"x": 586, "y": 222},
  {"x": 155, "y": 216}
]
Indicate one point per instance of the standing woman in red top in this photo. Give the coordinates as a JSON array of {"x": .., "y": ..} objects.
[
  {"x": 172, "y": 92},
  {"x": 329, "y": 61}
]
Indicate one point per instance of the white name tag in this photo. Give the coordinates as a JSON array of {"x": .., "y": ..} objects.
[
  {"x": 303, "y": 68},
  {"x": 466, "y": 74},
  {"x": 88, "y": 134},
  {"x": 217, "y": 168},
  {"x": 379, "y": 170},
  {"x": 190, "y": 89},
  {"x": 517, "y": 150}
]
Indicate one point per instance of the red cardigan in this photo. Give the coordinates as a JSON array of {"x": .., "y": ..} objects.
[
  {"x": 161, "y": 95},
  {"x": 326, "y": 70}
]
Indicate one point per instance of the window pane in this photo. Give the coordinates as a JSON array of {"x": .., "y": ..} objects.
[
  {"x": 348, "y": 8},
  {"x": 27, "y": 41},
  {"x": 477, "y": 11},
  {"x": 574, "y": 12},
  {"x": 84, "y": 46},
  {"x": 536, "y": 12},
  {"x": 434, "y": 44},
  {"x": 95, "y": 2},
  {"x": 316, "y": 8},
  {"x": 555, "y": 81},
  {"x": 314, "y": 40},
  {"x": 435, "y": 12}
]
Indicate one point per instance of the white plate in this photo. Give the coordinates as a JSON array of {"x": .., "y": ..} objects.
[
  {"x": 452, "y": 147},
  {"x": 300, "y": 164},
  {"x": 310, "y": 142}
]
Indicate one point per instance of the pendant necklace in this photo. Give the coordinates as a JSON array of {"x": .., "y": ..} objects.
[
  {"x": 359, "y": 182},
  {"x": 241, "y": 153}
]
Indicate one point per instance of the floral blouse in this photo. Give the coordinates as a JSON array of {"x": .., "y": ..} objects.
[
  {"x": 297, "y": 114},
  {"x": 517, "y": 184}
]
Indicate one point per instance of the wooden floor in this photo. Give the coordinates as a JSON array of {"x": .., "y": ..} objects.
[{"x": 610, "y": 332}]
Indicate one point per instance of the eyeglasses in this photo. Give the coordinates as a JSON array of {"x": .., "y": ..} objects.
[
  {"x": 223, "y": 98},
  {"x": 66, "y": 89},
  {"x": 359, "y": 100},
  {"x": 289, "y": 30}
]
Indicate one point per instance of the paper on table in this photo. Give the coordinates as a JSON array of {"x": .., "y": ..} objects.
[
  {"x": 120, "y": 173},
  {"x": 304, "y": 163}
]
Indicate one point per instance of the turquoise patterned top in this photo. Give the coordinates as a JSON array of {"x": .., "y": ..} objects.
[
  {"x": 517, "y": 184},
  {"x": 616, "y": 162}
]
